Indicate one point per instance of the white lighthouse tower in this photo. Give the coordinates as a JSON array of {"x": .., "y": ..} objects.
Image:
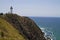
[{"x": 11, "y": 9}]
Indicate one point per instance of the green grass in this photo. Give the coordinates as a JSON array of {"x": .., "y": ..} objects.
[{"x": 9, "y": 32}]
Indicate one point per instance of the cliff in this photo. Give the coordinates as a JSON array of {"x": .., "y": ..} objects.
[{"x": 19, "y": 28}]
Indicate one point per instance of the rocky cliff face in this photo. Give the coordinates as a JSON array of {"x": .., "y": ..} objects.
[{"x": 26, "y": 26}]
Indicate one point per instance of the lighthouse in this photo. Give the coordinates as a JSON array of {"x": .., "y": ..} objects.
[{"x": 11, "y": 9}]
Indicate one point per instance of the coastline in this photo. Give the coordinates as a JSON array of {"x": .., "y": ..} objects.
[{"x": 48, "y": 34}]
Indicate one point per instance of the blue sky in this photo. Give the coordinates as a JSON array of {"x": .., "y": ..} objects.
[{"x": 42, "y": 8}]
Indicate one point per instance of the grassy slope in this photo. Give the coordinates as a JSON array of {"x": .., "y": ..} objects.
[
  {"x": 16, "y": 27},
  {"x": 10, "y": 33},
  {"x": 26, "y": 26}
]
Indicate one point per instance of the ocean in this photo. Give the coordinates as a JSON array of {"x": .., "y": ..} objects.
[{"x": 49, "y": 25}]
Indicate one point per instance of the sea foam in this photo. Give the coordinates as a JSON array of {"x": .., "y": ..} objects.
[{"x": 48, "y": 34}]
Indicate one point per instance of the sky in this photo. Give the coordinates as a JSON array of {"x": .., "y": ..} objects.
[{"x": 39, "y": 8}]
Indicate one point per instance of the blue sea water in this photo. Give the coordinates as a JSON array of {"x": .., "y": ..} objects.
[{"x": 49, "y": 25}]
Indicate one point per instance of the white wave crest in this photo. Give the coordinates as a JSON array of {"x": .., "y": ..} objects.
[{"x": 48, "y": 34}]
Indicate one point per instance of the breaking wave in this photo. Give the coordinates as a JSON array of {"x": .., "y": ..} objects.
[{"x": 49, "y": 35}]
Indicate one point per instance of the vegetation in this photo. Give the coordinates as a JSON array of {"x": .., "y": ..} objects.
[
  {"x": 14, "y": 27},
  {"x": 7, "y": 32}
]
